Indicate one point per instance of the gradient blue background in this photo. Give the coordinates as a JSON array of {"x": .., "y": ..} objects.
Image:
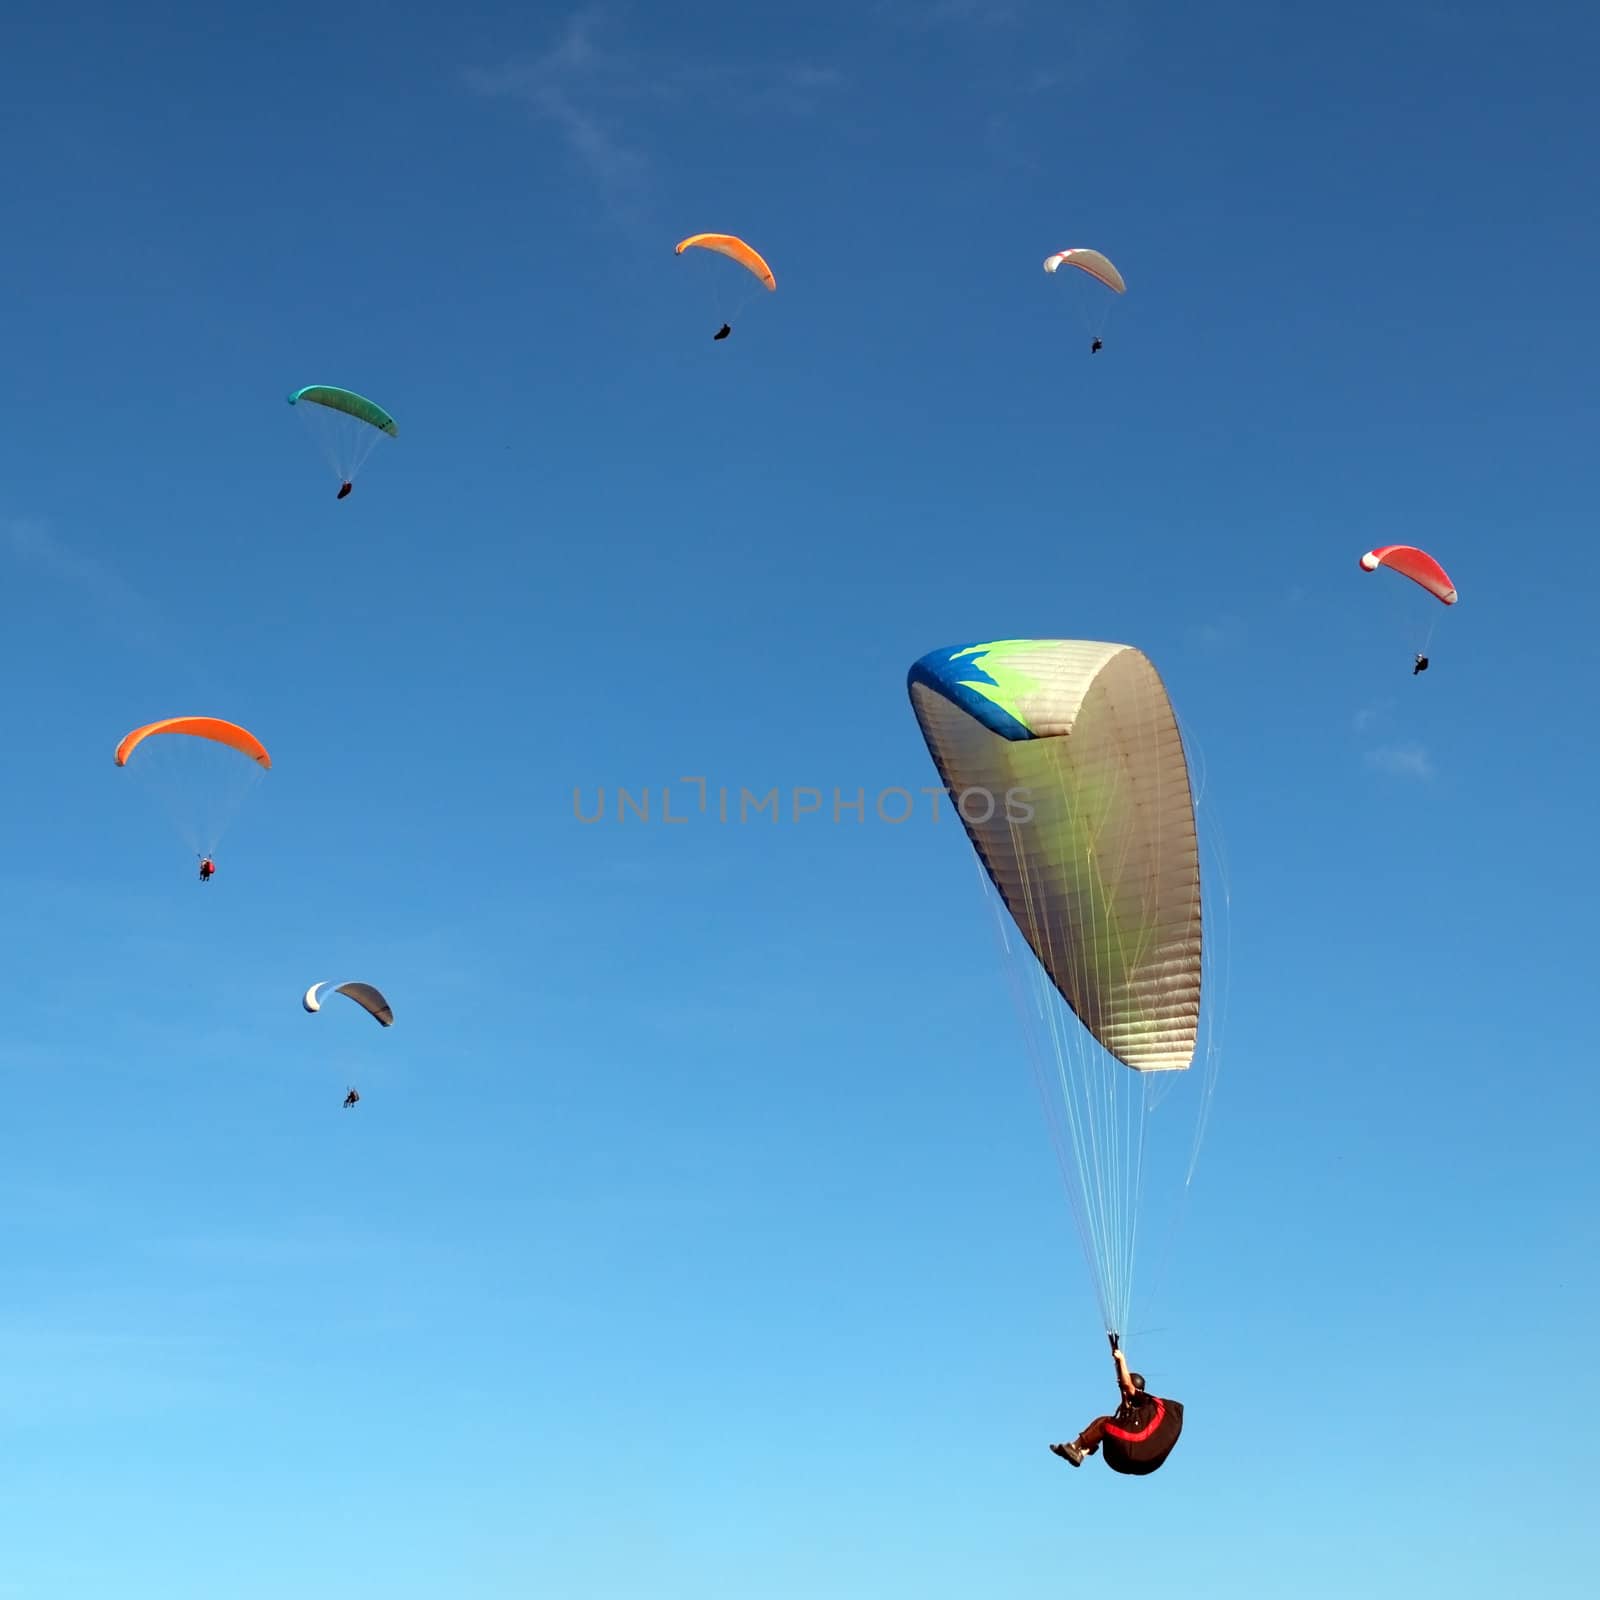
[{"x": 697, "y": 1234}]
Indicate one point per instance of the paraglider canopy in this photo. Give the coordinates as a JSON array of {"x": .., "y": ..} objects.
[
  {"x": 1102, "y": 877},
  {"x": 1093, "y": 274},
  {"x": 214, "y": 728},
  {"x": 1415, "y": 564},
  {"x": 1090, "y": 261},
  {"x": 350, "y": 403},
  {"x": 347, "y": 426},
  {"x": 200, "y": 769},
  {"x": 368, "y": 998},
  {"x": 734, "y": 248}
]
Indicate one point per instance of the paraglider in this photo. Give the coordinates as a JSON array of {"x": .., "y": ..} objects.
[
  {"x": 370, "y": 999},
  {"x": 735, "y": 249},
  {"x": 1090, "y": 261},
  {"x": 202, "y": 769},
  {"x": 1138, "y": 1437},
  {"x": 348, "y": 426},
  {"x": 1421, "y": 568},
  {"x": 1095, "y": 307},
  {"x": 1066, "y": 766},
  {"x": 1104, "y": 881},
  {"x": 1415, "y": 564},
  {"x": 229, "y": 734}
]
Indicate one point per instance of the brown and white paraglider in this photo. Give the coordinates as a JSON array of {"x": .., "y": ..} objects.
[{"x": 370, "y": 999}]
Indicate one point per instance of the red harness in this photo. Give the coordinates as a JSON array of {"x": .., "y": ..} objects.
[{"x": 1145, "y": 1432}]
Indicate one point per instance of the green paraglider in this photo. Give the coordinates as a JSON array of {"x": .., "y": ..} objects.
[
  {"x": 348, "y": 426},
  {"x": 349, "y": 402}
]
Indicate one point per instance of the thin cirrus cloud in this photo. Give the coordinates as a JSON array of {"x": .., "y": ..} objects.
[
  {"x": 594, "y": 93},
  {"x": 1402, "y": 761},
  {"x": 924, "y": 14},
  {"x": 582, "y": 90},
  {"x": 32, "y": 544}
]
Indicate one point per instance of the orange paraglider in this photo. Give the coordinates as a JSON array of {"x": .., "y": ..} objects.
[
  {"x": 202, "y": 769},
  {"x": 735, "y": 249},
  {"x": 228, "y": 733}
]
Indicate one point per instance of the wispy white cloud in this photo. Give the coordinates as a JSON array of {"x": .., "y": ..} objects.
[
  {"x": 800, "y": 89},
  {"x": 119, "y": 606},
  {"x": 1094, "y": 36},
  {"x": 1402, "y": 761},
  {"x": 70, "y": 1368},
  {"x": 1217, "y": 634},
  {"x": 592, "y": 90},
  {"x": 1065, "y": 45},
  {"x": 1015, "y": 51},
  {"x": 924, "y": 14},
  {"x": 315, "y": 1242},
  {"x": 820, "y": 78},
  {"x": 30, "y": 541},
  {"x": 575, "y": 85}
]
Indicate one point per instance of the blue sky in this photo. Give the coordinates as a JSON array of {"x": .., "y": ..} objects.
[{"x": 697, "y": 1234}]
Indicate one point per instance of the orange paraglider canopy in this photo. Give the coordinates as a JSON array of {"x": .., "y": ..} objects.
[
  {"x": 213, "y": 728},
  {"x": 734, "y": 248}
]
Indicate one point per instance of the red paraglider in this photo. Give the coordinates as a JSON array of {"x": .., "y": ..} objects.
[
  {"x": 1415, "y": 564},
  {"x": 1421, "y": 569}
]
